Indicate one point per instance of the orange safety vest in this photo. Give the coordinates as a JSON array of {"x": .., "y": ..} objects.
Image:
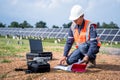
[{"x": 84, "y": 34}]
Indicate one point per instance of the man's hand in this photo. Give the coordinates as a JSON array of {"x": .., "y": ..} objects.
[
  {"x": 85, "y": 59},
  {"x": 63, "y": 60}
]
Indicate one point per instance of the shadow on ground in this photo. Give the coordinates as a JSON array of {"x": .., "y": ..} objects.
[{"x": 108, "y": 67}]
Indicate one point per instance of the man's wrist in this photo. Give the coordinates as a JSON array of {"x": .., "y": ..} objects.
[
  {"x": 64, "y": 55},
  {"x": 86, "y": 55}
]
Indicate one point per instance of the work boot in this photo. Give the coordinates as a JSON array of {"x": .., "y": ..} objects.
[{"x": 91, "y": 64}]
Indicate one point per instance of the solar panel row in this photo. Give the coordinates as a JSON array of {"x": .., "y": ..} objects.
[
  {"x": 104, "y": 34},
  {"x": 35, "y": 32},
  {"x": 109, "y": 35}
]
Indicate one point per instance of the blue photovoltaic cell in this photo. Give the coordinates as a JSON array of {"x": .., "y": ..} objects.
[
  {"x": 113, "y": 31},
  {"x": 57, "y": 30},
  {"x": 99, "y": 31},
  {"x": 52, "y": 35},
  {"x": 117, "y": 38},
  {"x": 119, "y": 33},
  {"x": 106, "y": 31},
  {"x": 61, "y": 36},
  {"x": 109, "y": 38},
  {"x": 102, "y": 37}
]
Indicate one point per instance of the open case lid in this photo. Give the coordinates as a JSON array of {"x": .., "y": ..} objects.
[{"x": 35, "y": 46}]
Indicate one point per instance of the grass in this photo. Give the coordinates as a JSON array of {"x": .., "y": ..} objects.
[
  {"x": 5, "y": 61},
  {"x": 103, "y": 52},
  {"x": 2, "y": 76},
  {"x": 10, "y": 47},
  {"x": 113, "y": 45}
]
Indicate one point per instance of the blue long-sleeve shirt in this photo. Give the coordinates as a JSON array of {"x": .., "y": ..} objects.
[{"x": 93, "y": 44}]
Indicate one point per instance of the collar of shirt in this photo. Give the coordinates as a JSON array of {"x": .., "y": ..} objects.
[{"x": 79, "y": 27}]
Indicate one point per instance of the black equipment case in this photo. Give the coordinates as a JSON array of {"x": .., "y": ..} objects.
[
  {"x": 36, "y": 51},
  {"x": 35, "y": 67},
  {"x": 30, "y": 56}
]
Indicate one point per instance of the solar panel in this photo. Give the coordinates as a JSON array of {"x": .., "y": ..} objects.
[
  {"x": 61, "y": 36},
  {"x": 66, "y": 35},
  {"x": 103, "y": 37},
  {"x": 32, "y": 34},
  {"x": 99, "y": 31},
  {"x": 119, "y": 32},
  {"x": 114, "y": 31},
  {"x": 64, "y": 30},
  {"x": 57, "y": 29},
  {"x": 38, "y": 34},
  {"x": 109, "y": 38},
  {"x": 44, "y": 35},
  {"x": 2, "y": 33},
  {"x": 42, "y": 30},
  {"x": 25, "y": 34},
  {"x": 49, "y": 30},
  {"x": 117, "y": 38},
  {"x": 106, "y": 31},
  {"x": 52, "y": 35},
  {"x": 104, "y": 34}
]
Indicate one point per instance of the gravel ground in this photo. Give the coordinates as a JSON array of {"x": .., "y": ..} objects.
[
  {"x": 112, "y": 51},
  {"x": 108, "y": 68}
]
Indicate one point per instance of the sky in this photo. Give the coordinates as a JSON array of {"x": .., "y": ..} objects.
[{"x": 56, "y": 12}]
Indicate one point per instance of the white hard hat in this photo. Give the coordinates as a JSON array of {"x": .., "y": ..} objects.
[{"x": 76, "y": 12}]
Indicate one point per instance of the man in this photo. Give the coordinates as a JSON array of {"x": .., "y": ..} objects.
[{"x": 83, "y": 33}]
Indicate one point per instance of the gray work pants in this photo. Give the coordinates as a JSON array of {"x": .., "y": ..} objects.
[{"x": 78, "y": 54}]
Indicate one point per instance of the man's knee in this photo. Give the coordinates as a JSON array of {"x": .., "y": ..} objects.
[
  {"x": 69, "y": 61},
  {"x": 75, "y": 55},
  {"x": 96, "y": 50}
]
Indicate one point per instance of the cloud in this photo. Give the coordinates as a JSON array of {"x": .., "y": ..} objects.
[
  {"x": 38, "y": 3},
  {"x": 57, "y": 11}
]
